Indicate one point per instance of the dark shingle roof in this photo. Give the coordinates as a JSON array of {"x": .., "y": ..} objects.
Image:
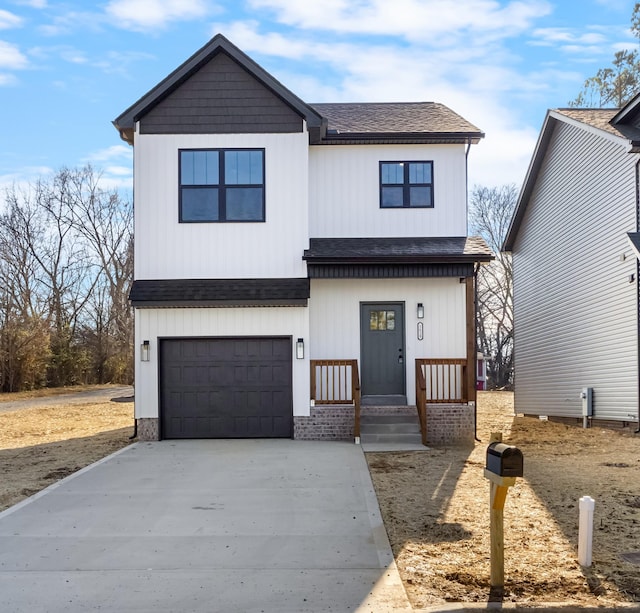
[
  {"x": 425, "y": 119},
  {"x": 219, "y": 292},
  {"x": 378, "y": 250}
]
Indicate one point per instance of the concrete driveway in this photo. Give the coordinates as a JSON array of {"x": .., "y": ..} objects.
[{"x": 246, "y": 526}]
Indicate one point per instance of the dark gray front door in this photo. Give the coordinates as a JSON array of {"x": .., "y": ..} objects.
[
  {"x": 382, "y": 349},
  {"x": 226, "y": 387}
]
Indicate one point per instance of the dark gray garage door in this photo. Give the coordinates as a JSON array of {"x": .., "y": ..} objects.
[{"x": 226, "y": 387}]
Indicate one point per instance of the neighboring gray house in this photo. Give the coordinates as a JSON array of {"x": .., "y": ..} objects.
[
  {"x": 575, "y": 270},
  {"x": 283, "y": 248}
]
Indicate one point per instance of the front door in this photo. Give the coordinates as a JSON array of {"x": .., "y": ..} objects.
[{"x": 382, "y": 349}]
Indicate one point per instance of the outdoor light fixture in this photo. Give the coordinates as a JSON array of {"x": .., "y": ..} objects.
[
  {"x": 420, "y": 310},
  {"x": 145, "y": 350},
  {"x": 300, "y": 349}
]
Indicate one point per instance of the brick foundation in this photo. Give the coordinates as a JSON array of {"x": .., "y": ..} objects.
[
  {"x": 450, "y": 424},
  {"x": 326, "y": 423},
  {"x": 148, "y": 429},
  {"x": 447, "y": 424}
]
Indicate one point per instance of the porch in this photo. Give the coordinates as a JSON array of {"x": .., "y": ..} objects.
[{"x": 444, "y": 412}]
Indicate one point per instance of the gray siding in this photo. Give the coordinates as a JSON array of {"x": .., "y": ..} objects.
[
  {"x": 221, "y": 98},
  {"x": 576, "y": 318}
]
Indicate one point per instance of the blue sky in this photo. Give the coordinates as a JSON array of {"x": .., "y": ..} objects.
[{"x": 67, "y": 69}]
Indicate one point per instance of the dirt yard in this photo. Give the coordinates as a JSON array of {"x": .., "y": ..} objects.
[
  {"x": 434, "y": 502},
  {"x": 39, "y": 446},
  {"x": 435, "y": 506}
]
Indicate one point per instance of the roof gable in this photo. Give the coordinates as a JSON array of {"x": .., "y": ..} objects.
[
  {"x": 595, "y": 121},
  {"x": 125, "y": 122}
]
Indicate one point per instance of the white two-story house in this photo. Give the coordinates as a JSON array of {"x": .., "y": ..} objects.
[{"x": 289, "y": 255}]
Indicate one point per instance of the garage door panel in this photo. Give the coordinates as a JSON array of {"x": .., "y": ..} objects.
[{"x": 226, "y": 388}]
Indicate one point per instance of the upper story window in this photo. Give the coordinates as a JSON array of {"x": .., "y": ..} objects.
[
  {"x": 221, "y": 185},
  {"x": 406, "y": 185}
]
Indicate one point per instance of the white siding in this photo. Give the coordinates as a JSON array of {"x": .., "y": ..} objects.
[
  {"x": 166, "y": 249},
  {"x": 344, "y": 192},
  {"x": 152, "y": 324},
  {"x": 335, "y": 318},
  {"x": 576, "y": 318}
]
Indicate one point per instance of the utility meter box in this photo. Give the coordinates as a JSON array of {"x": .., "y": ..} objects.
[
  {"x": 587, "y": 401},
  {"x": 504, "y": 460}
]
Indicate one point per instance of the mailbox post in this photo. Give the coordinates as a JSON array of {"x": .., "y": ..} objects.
[{"x": 504, "y": 464}]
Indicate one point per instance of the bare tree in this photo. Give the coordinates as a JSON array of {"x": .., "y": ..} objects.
[
  {"x": 614, "y": 86},
  {"x": 66, "y": 263},
  {"x": 105, "y": 221},
  {"x": 490, "y": 214}
]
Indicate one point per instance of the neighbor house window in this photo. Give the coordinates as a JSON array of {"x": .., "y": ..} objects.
[
  {"x": 221, "y": 185},
  {"x": 406, "y": 184}
]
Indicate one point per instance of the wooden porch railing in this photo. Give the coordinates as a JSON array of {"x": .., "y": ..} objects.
[
  {"x": 337, "y": 382},
  {"x": 439, "y": 381}
]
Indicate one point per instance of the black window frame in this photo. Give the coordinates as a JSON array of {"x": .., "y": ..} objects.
[
  {"x": 406, "y": 185},
  {"x": 221, "y": 185}
]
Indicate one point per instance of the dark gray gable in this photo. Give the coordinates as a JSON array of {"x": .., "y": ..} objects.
[
  {"x": 246, "y": 77},
  {"x": 221, "y": 97}
]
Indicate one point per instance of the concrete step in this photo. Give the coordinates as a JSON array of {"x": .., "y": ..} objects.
[
  {"x": 402, "y": 429},
  {"x": 391, "y": 438}
]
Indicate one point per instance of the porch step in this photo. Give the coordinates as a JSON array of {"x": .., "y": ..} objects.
[{"x": 390, "y": 429}]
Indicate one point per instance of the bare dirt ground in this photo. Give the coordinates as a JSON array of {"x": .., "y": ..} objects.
[
  {"x": 435, "y": 506},
  {"x": 435, "y": 503},
  {"x": 40, "y": 445}
]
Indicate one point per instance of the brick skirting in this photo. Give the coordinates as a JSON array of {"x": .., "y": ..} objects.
[
  {"x": 447, "y": 424},
  {"x": 450, "y": 424}
]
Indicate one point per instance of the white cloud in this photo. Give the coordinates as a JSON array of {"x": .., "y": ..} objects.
[
  {"x": 9, "y": 20},
  {"x": 34, "y": 4},
  {"x": 411, "y": 19},
  {"x": 155, "y": 14},
  {"x": 11, "y": 57},
  {"x": 112, "y": 153},
  {"x": 22, "y": 178},
  {"x": 7, "y": 79},
  {"x": 552, "y": 36}
]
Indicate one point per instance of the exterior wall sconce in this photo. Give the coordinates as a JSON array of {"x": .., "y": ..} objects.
[
  {"x": 300, "y": 349},
  {"x": 145, "y": 351},
  {"x": 420, "y": 310}
]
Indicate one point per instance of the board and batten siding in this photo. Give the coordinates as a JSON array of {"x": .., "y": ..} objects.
[
  {"x": 221, "y": 97},
  {"x": 576, "y": 317},
  {"x": 344, "y": 192},
  {"x": 152, "y": 324},
  {"x": 334, "y": 314},
  {"x": 167, "y": 249}
]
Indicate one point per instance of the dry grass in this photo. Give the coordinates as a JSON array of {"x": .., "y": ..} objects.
[
  {"x": 435, "y": 506},
  {"x": 39, "y": 446}
]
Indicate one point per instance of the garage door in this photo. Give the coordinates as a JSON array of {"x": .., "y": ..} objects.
[{"x": 226, "y": 387}]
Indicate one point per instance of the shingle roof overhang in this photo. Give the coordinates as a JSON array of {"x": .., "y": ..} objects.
[
  {"x": 219, "y": 292},
  {"x": 397, "y": 250}
]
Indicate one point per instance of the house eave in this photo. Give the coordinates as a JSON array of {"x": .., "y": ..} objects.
[{"x": 401, "y": 138}]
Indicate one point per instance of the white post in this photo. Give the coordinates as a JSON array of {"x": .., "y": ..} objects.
[{"x": 585, "y": 532}]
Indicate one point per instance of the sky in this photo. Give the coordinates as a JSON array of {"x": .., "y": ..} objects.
[{"x": 68, "y": 69}]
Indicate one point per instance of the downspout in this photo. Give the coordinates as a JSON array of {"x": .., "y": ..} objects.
[
  {"x": 475, "y": 343},
  {"x": 466, "y": 178},
  {"x": 475, "y": 297}
]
